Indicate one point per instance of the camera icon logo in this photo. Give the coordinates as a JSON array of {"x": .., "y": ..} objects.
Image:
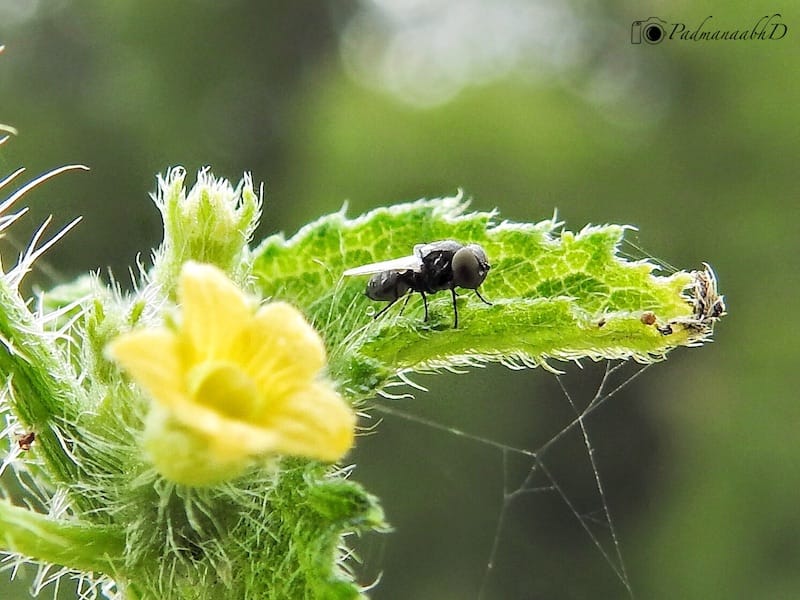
[{"x": 650, "y": 30}]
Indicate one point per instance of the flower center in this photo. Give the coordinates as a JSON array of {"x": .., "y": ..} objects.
[{"x": 224, "y": 387}]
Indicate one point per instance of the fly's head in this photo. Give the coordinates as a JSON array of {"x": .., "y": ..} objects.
[{"x": 470, "y": 267}]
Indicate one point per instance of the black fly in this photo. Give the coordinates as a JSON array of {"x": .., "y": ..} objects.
[{"x": 432, "y": 268}]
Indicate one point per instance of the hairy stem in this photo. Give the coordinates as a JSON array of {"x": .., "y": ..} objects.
[
  {"x": 44, "y": 393},
  {"x": 77, "y": 546}
]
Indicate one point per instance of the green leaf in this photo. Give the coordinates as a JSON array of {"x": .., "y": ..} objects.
[
  {"x": 555, "y": 294},
  {"x": 80, "y": 546}
]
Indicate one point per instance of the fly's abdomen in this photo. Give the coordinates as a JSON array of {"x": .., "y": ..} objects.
[{"x": 387, "y": 286}]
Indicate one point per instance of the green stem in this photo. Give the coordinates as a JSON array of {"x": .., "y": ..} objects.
[
  {"x": 77, "y": 546},
  {"x": 45, "y": 394}
]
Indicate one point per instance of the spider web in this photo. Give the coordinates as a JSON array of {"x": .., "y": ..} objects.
[
  {"x": 527, "y": 471},
  {"x": 543, "y": 468}
]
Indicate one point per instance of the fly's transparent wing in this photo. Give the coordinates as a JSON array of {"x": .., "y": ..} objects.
[{"x": 407, "y": 263}]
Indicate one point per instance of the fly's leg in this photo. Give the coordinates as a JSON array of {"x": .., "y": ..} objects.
[
  {"x": 385, "y": 308},
  {"x": 455, "y": 308},
  {"x": 408, "y": 297},
  {"x": 425, "y": 303},
  {"x": 484, "y": 300}
]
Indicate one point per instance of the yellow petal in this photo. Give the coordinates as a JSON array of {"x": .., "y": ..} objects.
[
  {"x": 279, "y": 350},
  {"x": 316, "y": 423},
  {"x": 184, "y": 455},
  {"x": 214, "y": 310},
  {"x": 229, "y": 437},
  {"x": 151, "y": 357},
  {"x": 224, "y": 387}
]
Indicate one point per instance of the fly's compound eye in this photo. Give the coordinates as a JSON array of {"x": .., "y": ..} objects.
[{"x": 470, "y": 267}]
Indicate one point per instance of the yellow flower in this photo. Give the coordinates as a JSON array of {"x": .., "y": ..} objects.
[{"x": 231, "y": 384}]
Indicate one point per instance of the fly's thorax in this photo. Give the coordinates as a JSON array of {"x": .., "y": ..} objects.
[{"x": 437, "y": 271}]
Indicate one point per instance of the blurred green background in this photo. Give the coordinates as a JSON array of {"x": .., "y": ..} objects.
[{"x": 527, "y": 106}]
